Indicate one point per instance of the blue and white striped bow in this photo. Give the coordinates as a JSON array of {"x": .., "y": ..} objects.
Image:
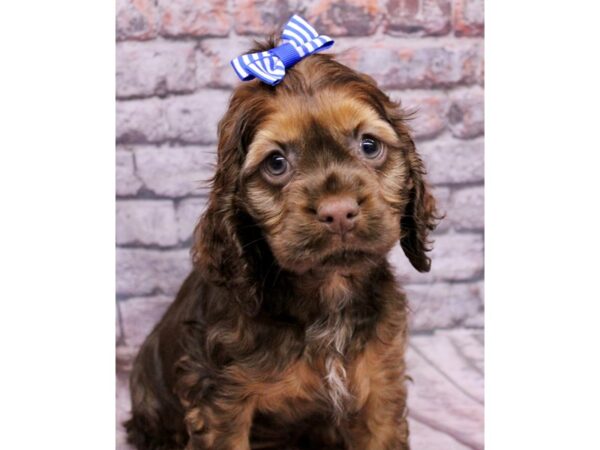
[{"x": 300, "y": 40}]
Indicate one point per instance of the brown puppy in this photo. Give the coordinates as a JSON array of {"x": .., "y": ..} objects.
[{"x": 290, "y": 331}]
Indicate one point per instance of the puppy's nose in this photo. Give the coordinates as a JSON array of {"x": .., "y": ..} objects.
[{"x": 338, "y": 214}]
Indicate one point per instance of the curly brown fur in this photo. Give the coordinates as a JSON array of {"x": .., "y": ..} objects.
[{"x": 286, "y": 334}]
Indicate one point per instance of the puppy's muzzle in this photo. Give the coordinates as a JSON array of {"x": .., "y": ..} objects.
[{"x": 338, "y": 214}]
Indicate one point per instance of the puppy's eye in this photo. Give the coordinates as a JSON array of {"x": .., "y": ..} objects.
[
  {"x": 370, "y": 147},
  {"x": 276, "y": 165}
]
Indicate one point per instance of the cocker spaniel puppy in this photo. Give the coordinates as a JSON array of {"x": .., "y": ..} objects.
[{"x": 290, "y": 331}]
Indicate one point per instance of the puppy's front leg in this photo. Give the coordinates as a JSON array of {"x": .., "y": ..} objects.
[
  {"x": 221, "y": 424},
  {"x": 381, "y": 424}
]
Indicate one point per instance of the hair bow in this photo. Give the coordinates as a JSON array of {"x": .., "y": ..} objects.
[{"x": 300, "y": 40}]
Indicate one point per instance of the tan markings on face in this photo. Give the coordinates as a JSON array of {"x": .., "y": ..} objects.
[
  {"x": 346, "y": 115},
  {"x": 343, "y": 115},
  {"x": 287, "y": 212},
  {"x": 267, "y": 204},
  {"x": 286, "y": 125},
  {"x": 393, "y": 180}
]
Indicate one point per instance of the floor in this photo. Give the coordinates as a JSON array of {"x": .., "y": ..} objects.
[{"x": 445, "y": 397}]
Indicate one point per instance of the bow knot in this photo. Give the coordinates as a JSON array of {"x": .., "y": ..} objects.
[{"x": 300, "y": 40}]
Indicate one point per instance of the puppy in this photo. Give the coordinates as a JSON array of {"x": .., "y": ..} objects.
[{"x": 290, "y": 330}]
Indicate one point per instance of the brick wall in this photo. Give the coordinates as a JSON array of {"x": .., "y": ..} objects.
[{"x": 173, "y": 83}]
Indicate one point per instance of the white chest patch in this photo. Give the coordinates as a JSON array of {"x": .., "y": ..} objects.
[{"x": 330, "y": 338}]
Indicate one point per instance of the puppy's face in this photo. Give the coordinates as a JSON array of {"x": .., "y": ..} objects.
[
  {"x": 325, "y": 177},
  {"x": 324, "y": 166}
]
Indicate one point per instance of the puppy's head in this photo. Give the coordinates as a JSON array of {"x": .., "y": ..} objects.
[{"x": 320, "y": 172}]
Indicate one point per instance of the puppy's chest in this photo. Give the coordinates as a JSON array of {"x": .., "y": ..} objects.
[{"x": 325, "y": 377}]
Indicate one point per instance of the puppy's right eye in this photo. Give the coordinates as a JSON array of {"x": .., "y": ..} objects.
[
  {"x": 276, "y": 165},
  {"x": 370, "y": 147}
]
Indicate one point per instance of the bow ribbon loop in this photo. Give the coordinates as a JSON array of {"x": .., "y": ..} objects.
[{"x": 300, "y": 39}]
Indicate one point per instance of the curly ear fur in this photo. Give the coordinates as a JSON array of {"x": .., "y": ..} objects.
[
  {"x": 221, "y": 252},
  {"x": 420, "y": 215}
]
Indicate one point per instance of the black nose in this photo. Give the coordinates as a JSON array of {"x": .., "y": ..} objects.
[{"x": 338, "y": 214}]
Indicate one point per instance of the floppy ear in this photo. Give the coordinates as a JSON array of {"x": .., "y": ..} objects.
[
  {"x": 220, "y": 252},
  {"x": 419, "y": 217}
]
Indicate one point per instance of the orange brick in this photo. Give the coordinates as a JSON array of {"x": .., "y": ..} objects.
[
  {"x": 194, "y": 18},
  {"x": 418, "y": 17},
  {"x": 136, "y": 19},
  {"x": 468, "y": 17},
  {"x": 349, "y": 18},
  {"x": 405, "y": 65}
]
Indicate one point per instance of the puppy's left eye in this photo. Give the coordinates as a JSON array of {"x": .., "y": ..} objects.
[
  {"x": 276, "y": 164},
  {"x": 276, "y": 169},
  {"x": 370, "y": 147}
]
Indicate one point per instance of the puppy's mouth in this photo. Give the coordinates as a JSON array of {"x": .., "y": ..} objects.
[{"x": 347, "y": 258}]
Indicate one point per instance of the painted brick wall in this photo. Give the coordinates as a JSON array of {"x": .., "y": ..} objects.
[{"x": 173, "y": 83}]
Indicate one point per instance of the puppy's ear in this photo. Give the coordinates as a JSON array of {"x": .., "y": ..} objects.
[
  {"x": 420, "y": 216},
  {"x": 219, "y": 251}
]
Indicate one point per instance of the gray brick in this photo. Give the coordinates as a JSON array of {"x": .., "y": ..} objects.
[
  {"x": 466, "y": 209},
  {"x": 155, "y": 68},
  {"x": 175, "y": 171},
  {"x": 410, "y": 65},
  {"x": 146, "y": 222},
  {"x": 260, "y": 17},
  {"x": 125, "y": 357},
  {"x": 348, "y": 18},
  {"x": 454, "y": 257},
  {"x": 442, "y": 305},
  {"x": 431, "y": 110},
  {"x": 418, "y": 17},
  {"x": 144, "y": 271},
  {"x": 136, "y": 19},
  {"x": 194, "y": 118},
  {"x": 118, "y": 331},
  {"x": 141, "y": 121},
  {"x": 475, "y": 321},
  {"x": 457, "y": 256},
  {"x": 466, "y": 113},
  {"x": 124, "y": 361},
  {"x": 140, "y": 315},
  {"x": 442, "y": 197},
  {"x": 213, "y": 68},
  {"x": 188, "y": 213},
  {"x": 187, "y": 118},
  {"x": 478, "y": 320},
  {"x": 194, "y": 17},
  {"x": 468, "y": 17},
  {"x": 452, "y": 161},
  {"x": 127, "y": 181},
  {"x": 334, "y": 18}
]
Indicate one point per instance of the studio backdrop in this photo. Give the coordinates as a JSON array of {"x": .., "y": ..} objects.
[{"x": 173, "y": 82}]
